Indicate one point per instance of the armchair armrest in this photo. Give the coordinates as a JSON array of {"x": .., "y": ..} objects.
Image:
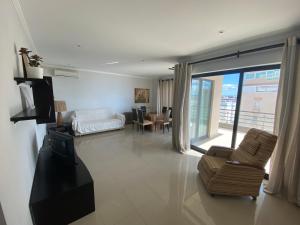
[
  {"x": 238, "y": 163},
  {"x": 234, "y": 170},
  {"x": 219, "y": 151}
]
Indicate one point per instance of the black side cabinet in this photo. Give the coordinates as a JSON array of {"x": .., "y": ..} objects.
[{"x": 60, "y": 193}]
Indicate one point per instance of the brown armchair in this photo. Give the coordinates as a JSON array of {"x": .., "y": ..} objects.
[{"x": 237, "y": 172}]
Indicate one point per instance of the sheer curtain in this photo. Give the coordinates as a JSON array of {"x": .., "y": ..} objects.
[
  {"x": 181, "y": 99},
  {"x": 165, "y": 94},
  {"x": 285, "y": 162}
]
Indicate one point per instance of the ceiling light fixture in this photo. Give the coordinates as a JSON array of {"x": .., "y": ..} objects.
[
  {"x": 111, "y": 63},
  {"x": 221, "y": 31}
]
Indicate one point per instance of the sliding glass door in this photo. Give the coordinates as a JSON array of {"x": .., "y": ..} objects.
[
  {"x": 258, "y": 101},
  {"x": 200, "y": 108},
  {"x": 225, "y": 105}
]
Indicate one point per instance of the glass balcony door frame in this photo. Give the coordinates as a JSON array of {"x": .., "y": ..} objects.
[
  {"x": 199, "y": 102},
  {"x": 241, "y": 71}
]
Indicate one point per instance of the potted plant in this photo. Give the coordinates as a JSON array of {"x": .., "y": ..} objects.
[
  {"x": 34, "y": 70},
  {"x": 31, "y": 64}
]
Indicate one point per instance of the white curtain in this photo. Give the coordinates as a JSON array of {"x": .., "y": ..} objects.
[
  {"x": 181, "y": 99},
  {"x": 285, "y": 162},
  {"x": 165, "y": 94}
]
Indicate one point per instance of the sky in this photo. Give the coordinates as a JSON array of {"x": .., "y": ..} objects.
[{"x": 230, "y": 84}]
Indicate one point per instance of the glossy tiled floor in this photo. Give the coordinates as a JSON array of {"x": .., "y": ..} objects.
[{"x": 140, "y": 180}]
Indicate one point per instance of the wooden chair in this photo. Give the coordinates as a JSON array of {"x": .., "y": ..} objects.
[
  {"x": 142, "y": 122},
  {"x": 134, "y": 117},
  {"x": 170, "y": 119},
  {"x": 144, "y": 109},
  {"x": 164, "y": 122}
]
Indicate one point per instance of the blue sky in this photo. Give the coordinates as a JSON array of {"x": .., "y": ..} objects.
[{"x": 230, "y": 84}]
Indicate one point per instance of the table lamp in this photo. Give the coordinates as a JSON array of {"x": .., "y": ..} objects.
[{"x": 60, "y": 106}]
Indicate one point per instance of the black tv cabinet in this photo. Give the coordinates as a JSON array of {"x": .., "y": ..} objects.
[{"x": 60, "y": 193}]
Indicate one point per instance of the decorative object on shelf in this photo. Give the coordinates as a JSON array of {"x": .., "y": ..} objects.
[
  {"x": 31, "y": 64},
  {"x": 34, "y": 70},
  {"x": 26, "y": 96},
  {"x": 24, "y": 52},
  {"x": 60, "y": 106},
  {"x": 141, "y": 95}
]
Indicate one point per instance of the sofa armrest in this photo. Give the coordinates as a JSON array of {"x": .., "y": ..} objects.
[
  {"x": 219, "y": 151},
  {"x": 121, "y": 117},
  {"x": 74, "y": 123}
]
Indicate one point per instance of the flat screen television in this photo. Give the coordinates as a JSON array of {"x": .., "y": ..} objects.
[{"x": 62, "y": 147}]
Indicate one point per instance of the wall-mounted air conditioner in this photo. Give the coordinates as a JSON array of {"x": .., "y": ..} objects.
[{"x": 66, "y": 73}]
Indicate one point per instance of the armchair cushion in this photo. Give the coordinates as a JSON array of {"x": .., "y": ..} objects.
[{"x": 250, "y": 145}]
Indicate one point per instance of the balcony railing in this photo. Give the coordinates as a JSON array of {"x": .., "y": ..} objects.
[{"x": 248, "y": 119}]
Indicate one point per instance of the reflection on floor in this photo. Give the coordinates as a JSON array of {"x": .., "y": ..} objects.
[{"x": 140, "y": 180}]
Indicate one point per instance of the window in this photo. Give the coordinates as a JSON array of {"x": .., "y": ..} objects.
[
  {"x": 249, "y": 76},
  {"x": 273, "y": 75},
  {"x": 267, "y": 88},
  {"x": 261, "y": 74}
]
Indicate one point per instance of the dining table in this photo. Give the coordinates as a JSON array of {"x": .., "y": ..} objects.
[{"x": 153, "y": 117}]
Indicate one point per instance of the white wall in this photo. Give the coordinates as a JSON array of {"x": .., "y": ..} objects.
[
  {"x": 19, "y": 142},
  {"x": 96, "y": 90}
]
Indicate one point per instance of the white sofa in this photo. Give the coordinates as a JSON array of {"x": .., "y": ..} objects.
[{"x": 96, "y": 120}]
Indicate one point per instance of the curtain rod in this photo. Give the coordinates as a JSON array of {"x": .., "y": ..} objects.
[{"x": 239, "y": 53}]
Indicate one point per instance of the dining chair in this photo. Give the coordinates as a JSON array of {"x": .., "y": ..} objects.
[
  {"x": 134, "y": 117},
  {"x": 164, "y": 109},
  {"x": 144, "y": 109},
  {"x": 164, "y": 122},
  {"x": 142, "y": 122}
]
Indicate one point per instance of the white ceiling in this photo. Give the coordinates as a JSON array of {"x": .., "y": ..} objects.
[{"x": 147, "y": 36}]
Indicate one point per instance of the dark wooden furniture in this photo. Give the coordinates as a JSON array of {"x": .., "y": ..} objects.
[
  {"x": 134, "y": 117},
  {"x": 64, "y": 128},
  {"x": 144, "y": 109},
  {"x": 60, "y": 194},
  {"x": 128, "y": 117},
  {"x": 43, "y": 100}
]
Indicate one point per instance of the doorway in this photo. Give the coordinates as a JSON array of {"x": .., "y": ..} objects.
[{"x": 226, "y": 104}]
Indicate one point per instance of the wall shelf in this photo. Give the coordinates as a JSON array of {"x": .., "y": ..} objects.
[
  {"x": 29, "y": 114},
  {"x": 20, "y": 80},
  {"x": 43, "y": 100}
]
